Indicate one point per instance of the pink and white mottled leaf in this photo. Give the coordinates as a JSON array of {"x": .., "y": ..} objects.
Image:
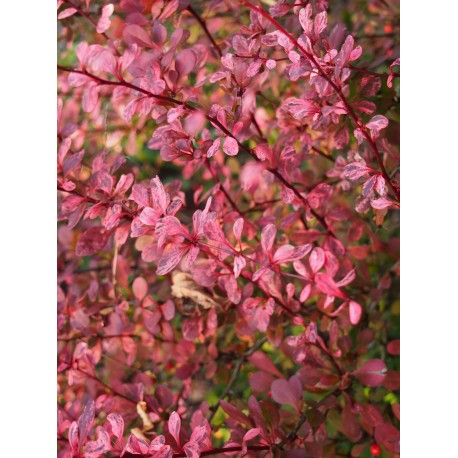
[
  {"x": 170, "y": 260},
  {"x": 381, "y": 203},
  {"x": 174, "y": 426},
  {"x": 104, "y": 21},
  {"x": 85, "y": 422},
  {"x": 117, "y": 425},
  {"x": 355, "y": 170},
  {"x": 268, "y": 237},
  {"x": 231, "y": 147}
]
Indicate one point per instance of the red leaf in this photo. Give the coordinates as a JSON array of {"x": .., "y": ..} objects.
[
  {"x": 261, "y": 381},
  {"x": 388, "y": 436},
  {"x": 393, "y": 347},
  {"x": 260, "y": 360},
  {"x": 92, "y": 241},
  {"x": 372, "y": 373},
  {"x": 286, "y": 392},
  {"x": 236, "y": 413}
]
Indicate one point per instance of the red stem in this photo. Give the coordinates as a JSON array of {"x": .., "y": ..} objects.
[
  {"x": 205, "y": 29},
  {"x": 86, "y": 16}
]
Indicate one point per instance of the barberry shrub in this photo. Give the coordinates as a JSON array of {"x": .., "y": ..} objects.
[{"x": 228, "y": 240}]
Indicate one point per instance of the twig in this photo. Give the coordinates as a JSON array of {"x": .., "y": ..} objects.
[
  {"x": 205, "y": 29},
  {"x": 86, "y": 16},
  {"x": 235, "y": 374}
]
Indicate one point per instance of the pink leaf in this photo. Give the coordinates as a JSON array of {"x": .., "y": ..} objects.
[
  {"x": 305, "y": 15},
  {"x": 134, "y": 34},
  {"x": 95, "y": 449},
  {"x": 369, "y": 185},
  {"x": 192, "y": 450},
  {"x": 90, "y": 97},
  {"x": 190, "y": 258},
  {"x": 185, "y": 61},
  {"x": 140, "y": 288},
  {"x": 231, "y": 147},
  {"x": 328, "y": 286},
  {"x": 355, "y": 312},
  {"x": 214, "y": 147},
  {"x": 66, "y": 13},
  {"x": 381, "y": 203},
  {"x": 321, "y": 22},
  {"x": 160, "y": 197},
  {"x": 85, "y": 422},
  {"x": 251, "y": 434},
  {"x": 355, "y": 170},
  {"x": 271, "y": 64},
  {"x": 239, "y": 265},
  {"x": 268, "y": 237},
  {"x": 174, "y": 425},
  {"x": 104, "y": 21},
  {"x": 73, "y": 437},
  {"x": 237, "y": 229},
  {"x": 117, "y": 425},
  {"x": 149, "y": 217},
  {"x": 140, "y": 195},
  {"x": 317, "y": 259},
  {"x": 167, "y": 227},
  {"x": 170, "y": 260},
  {"x": 376, "y": 124}
]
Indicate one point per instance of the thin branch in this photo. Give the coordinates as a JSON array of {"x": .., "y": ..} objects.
[
  {"x": 235, "y": 374},
  {"x": 205, "y": 29},
  {"x": 86, "y": 16},
  {"x": 323, "y": 154}
]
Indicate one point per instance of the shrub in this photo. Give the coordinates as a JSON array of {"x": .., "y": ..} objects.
[{"x": 228, "y": 242}]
